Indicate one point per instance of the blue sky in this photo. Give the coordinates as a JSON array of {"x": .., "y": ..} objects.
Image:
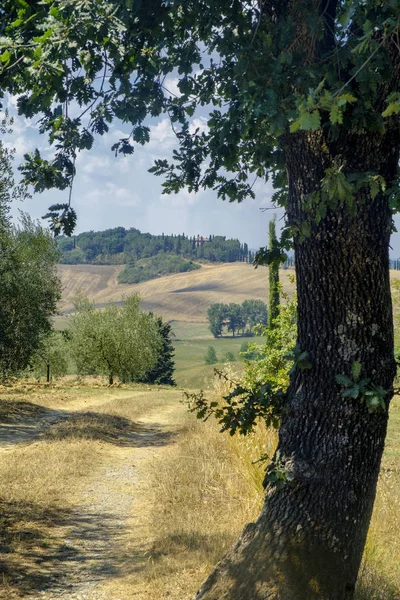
[{"x": 114, "y": 191}]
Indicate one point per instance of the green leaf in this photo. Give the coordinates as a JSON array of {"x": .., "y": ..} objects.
[
  {"x": 392, "y": 109},
  {"x": 356, "y": 370},
  {"x": 5, "y": 57},
  {"x": 310, "y": 120},
  {"x": 343, "y": 380},
  {"x": 295, "y": 126},
  {"x": 336, "y": 115}
]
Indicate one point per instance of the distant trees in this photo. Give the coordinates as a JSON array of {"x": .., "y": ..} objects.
[
  {"x": 216, "y": 315},
  {"x": 119, "y": 246},
  {"x": 210, "y": 357},
  {"x": 120, "y": 340},
  {"x": 236, "y": 317},
  {"x": 255, "y": 312},
  {"x": 51, "y": 358},
  {"x": 156, "y": 266}
]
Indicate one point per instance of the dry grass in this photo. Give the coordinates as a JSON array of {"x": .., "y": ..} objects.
[
  {"x": 205, "y": 492},
  {"x": 380, "y": 573},
  {"x": 182, "y": 296},
  {"x": 194, "y": 498},
  {"x": 37, "y": 486}
]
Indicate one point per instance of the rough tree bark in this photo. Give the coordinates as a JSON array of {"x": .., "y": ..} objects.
[{"x": 308, "y": 541}]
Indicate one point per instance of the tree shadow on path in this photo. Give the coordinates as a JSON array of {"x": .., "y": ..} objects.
[
  {"x": 22, "y": 421},
  {"x": 41, "y": 548}
]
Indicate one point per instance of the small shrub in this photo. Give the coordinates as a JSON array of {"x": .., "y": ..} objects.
[
  {"x": 211, "y": 356},
  {"x": 229, "y": 357}
]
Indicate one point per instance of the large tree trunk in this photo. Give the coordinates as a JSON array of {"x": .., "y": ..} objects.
[{"x": 308, "y": 541}]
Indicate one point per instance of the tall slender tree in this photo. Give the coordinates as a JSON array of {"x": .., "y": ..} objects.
[{"x": 273, "y": 268}]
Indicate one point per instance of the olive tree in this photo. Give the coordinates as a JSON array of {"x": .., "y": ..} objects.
[{"x": 119, "y": 340}]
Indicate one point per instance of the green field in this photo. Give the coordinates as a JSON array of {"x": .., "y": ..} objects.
[{"x": 191, "y": 343}]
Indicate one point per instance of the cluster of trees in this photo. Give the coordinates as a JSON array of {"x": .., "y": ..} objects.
[
  {"x": 121, "y": 341},
  {"x": 120, "y": 246},
  {"x": 155, "y": 266},
  {"x": 236, "y": 317},
  {"x": 118, "y": 341}
]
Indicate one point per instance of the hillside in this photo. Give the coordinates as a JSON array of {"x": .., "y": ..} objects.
[
  {"x": 121, "y": 246},
  {"x": 180, "y": 297}
]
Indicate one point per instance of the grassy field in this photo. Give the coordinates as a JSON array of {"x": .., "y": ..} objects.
[
  {"x": 191, "y": 341},
  {"x": 191, "y": 370}
]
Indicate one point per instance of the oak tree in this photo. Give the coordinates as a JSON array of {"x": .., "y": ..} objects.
[{"x": 302, "y": 93}]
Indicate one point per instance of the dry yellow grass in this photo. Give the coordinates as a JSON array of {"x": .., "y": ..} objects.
[
  {"x": 37, "y": 488},
  {"x": 182, "y": 296},
  {"x": 195, "y": 490}
]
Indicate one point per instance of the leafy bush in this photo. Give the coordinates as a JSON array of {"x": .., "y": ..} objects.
[
  {"x": 155, "y": 266},
  {"x": 211, "y": 356}
]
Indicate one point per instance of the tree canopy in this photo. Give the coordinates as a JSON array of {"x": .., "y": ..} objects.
[
  {"x": 120, "y": 245},
  {"x": 235, "y": 317},
  {"x": 118, "y": 341},
  {"x": 30, "y": 288},
  {"x": 262, "y": 71}
]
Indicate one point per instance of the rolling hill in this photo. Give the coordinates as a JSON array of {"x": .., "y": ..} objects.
[{"x": 178, "y": 297}]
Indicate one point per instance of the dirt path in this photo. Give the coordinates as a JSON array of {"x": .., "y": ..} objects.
[{"x": 106, "y": 541}]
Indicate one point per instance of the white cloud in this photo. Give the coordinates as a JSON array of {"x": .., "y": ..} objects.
[
  {"x": 182, "y": 199},
  {"x": 21, "y": 146},
  {"x": 162, "y": 136},
  {"x": 171, "y": 85},
  {"x": 95, "y": 164},
  {"x": 199, "y": 123},
  {"x": 112, "y": 194}
]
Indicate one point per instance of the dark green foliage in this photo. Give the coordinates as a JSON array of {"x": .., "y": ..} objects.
[
  {"x": 211, "y": 356},
  {"x": 255, "y": 313},
  {"x": 111, "y": 57},
  {"x": 156, "y": 266},
  {"x": 247, "y": 351},
  {"x": 242, "y": 407},
  {"x": 216, "y": 315},
  {"x": 29, "y": 286},
  {"x": 273, "y": 269},
  {"x": 163, "y": 371},
  {"x": 120, "y": 246},
  {"x": 229, "y": 357},
  {"x": 235, "y": 317},
  {"x": 29, "y": 292}
]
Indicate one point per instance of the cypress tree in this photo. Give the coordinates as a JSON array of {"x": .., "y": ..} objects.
[
  {"x": 162, "y": 372},
  {"x": 273, "y": 303}
]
